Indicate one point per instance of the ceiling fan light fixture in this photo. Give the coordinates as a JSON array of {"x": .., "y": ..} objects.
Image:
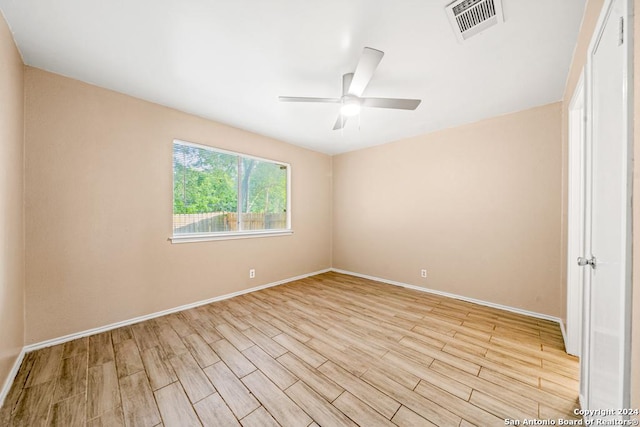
[{"x": 350, "y": 108}]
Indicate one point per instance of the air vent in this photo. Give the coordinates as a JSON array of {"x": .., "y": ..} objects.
[{"x": 471, "y": 17}]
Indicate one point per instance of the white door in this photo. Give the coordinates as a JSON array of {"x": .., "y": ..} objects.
[{"x": 608, "y": 242}]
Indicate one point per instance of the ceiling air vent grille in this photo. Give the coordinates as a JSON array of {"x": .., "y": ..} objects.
[{"x": 470, "y": 17}]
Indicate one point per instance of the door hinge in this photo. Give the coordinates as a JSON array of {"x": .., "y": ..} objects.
[{"x": 621, "y": 39}]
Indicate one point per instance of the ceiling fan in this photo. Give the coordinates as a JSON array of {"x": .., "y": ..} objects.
[{"x": 353, "y": 85}]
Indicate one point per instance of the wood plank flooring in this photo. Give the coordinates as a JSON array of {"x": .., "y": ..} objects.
[{"x": 329, "y": 350}]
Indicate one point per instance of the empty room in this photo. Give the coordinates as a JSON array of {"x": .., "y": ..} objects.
[{"x": 337, "y": 213}]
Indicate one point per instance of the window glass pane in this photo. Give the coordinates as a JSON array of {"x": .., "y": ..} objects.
[
  {"x": 216, "y": 191},
  {"x": 263, "y": 195},
  {"x": 205, "y": 190}
]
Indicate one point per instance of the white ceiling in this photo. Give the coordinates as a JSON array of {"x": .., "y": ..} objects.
[{"x": 228, "y": 60}]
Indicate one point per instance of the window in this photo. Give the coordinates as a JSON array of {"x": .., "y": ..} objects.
[{"x": 219, "y": 194}]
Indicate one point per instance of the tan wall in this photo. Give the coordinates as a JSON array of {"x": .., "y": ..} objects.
[
  {"x": 11, "y": 202},
  {"x": 477, "y": 205},
  {"x": 99, "y": 210}
]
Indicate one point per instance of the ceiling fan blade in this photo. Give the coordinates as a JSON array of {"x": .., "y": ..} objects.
[
  {"x": 342, "y": 120},
  {"x": 346, "y": 83},
  {"x": 306, "y": 99},
  {"x": 395, "y": 103},
  {"x": 364, "y": 71}
]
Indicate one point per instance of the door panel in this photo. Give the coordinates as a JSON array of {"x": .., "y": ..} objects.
[{"x": 608, "y": 322}]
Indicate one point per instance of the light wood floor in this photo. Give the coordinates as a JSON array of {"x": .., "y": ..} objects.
[{"x": 327, "y": 350}]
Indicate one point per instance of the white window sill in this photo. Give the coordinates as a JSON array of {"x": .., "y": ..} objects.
[{"x": 191, "y": 238}]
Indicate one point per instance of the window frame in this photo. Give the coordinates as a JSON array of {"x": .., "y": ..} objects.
[{"x": 232, "y": 235}]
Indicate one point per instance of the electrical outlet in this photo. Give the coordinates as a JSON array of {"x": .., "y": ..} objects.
[
  {"x": 252, "y": 273},
  {"x": 423, "y": 273}
]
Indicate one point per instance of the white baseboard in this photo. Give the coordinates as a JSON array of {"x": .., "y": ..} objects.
[
  {"x": 60, "y": 340},
  {"x": 11, "y": 377},
  {"x": 71, "y": 337},
  {"x": 458, "y": 297}
]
